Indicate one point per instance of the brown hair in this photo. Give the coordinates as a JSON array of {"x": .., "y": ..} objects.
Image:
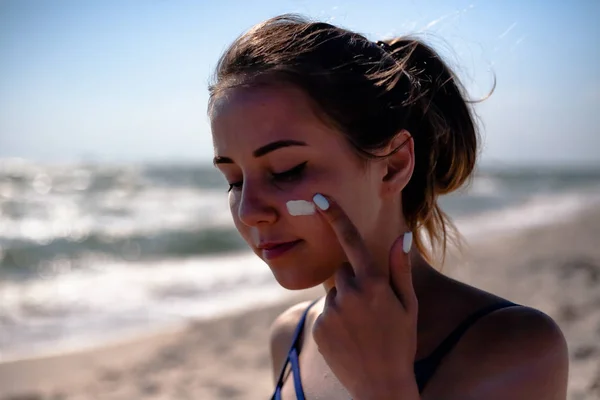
[{"x": 369, "y": 92}]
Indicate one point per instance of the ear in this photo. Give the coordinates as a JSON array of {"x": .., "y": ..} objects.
[{"x": 399, "y": 165}]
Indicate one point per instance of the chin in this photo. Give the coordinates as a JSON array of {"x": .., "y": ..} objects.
[
  {"x": 297, "y": 284},
  {"x": 301, "y": 268},
  {"x": 298, "y": 277}
]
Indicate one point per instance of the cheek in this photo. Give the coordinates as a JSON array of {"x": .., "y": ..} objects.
[
  {"x": 233, "y": 206},
  {"x": 234, "y": 202},
  {"x": 359, "y": 200},
  {"x": 294, "y": 201},
  {"x": 315, "y": 181},
  {"x": 298, "y": 208}
]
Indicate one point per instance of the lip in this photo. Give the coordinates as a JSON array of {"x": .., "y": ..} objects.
[{"x": 273, "y": 250}]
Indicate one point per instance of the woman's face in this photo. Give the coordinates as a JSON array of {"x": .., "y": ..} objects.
[{"x": 272, "y": 148}]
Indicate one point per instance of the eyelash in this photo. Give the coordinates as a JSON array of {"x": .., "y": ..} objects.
[{"x": 288, "y": 176}]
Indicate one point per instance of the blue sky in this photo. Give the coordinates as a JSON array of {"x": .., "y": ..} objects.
[{"x": 126, "y": 81}]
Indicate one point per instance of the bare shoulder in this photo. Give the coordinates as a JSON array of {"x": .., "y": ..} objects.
[
  {"x": 281, "y": 335},
  {"x": 524, "y": 327},
  {"x": 520, "y": 336},
  {"x": 516, "y": 352}
]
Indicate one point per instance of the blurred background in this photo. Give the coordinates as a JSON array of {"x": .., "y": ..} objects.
[{"x": 113, "y": 221}]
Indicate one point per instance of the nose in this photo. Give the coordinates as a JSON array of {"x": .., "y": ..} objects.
[{"x": 256, "y": 206}]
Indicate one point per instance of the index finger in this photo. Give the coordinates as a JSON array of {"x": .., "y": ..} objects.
[{"x": 348, "y": 236}]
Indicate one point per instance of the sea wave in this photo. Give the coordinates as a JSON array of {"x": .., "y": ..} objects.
[
  {"x": 86, "y": 307},
  {"x": 92, "y": 251},
  {"x": 536, "y": 210},
  {"x": 24, "y": 258}
]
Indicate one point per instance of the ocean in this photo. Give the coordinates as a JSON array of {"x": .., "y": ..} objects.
[{"x": 91, "y": 253}]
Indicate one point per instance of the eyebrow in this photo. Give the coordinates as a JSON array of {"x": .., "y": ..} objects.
[{"x": 261, "y": 151}]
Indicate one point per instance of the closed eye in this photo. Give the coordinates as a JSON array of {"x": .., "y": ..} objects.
[
  {"x": 235, "y": 185},
  {"x": 291, "y": 174},
  {"x": 288, "y": 176}
]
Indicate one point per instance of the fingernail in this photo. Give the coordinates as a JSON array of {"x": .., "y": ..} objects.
[
  {"x": 407, "y": 242},
  {"x": 321, "y": 201}
]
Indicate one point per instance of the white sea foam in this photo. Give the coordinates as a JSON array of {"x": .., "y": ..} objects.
[
  {"x": 80, "y": 289},
  {"x": 83, "y": 308},
  {"x": 535, "y": 211}
]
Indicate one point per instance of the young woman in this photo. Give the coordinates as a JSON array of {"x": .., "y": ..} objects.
[{"x": 336, "y": 149}]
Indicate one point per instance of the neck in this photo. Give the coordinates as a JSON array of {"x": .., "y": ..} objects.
[
  {"x": 389, "y": 226},
  {"x": 422, "y": 273}
]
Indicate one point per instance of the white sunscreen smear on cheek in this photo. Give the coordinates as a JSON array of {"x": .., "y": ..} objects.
[{"x": 300, "y": 207}]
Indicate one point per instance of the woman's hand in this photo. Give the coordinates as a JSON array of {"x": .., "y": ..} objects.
[{"x": 367, "y": 330}]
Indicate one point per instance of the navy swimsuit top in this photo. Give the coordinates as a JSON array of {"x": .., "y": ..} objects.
[{"x": 424, "y": 368}]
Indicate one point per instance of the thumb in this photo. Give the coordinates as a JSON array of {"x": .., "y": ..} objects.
[{"x": 401, "y": 271}]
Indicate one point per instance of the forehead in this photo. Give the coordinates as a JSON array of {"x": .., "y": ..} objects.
[{"x": 245, "y": 118}]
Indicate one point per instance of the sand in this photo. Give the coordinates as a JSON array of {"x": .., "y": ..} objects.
[{"x": 555, "y": 268}]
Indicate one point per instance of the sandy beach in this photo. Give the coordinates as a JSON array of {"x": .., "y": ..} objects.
[{"x": 555, "y": 268}]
